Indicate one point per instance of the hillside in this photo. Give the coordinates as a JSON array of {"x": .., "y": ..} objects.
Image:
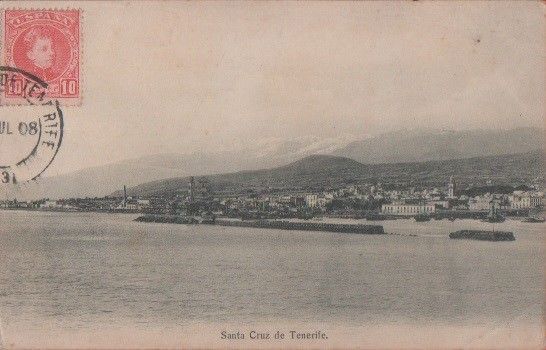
[
  {"x": 316, "y": 172},
  {"x": 309, "y": 170},
  {"x": 103, "y": 180}
]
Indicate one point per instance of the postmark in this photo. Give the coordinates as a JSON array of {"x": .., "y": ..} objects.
[
  {"x": 46, "y": 44},
  {"x": 30, "y": 134}
]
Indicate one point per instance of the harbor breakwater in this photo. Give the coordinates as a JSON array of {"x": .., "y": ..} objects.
[
  {"x": 269, "y": 224},
  {"x": 483, "y": 235},
  {"x": 167, "y": 219},
  {"x": 305, "y": 226}
]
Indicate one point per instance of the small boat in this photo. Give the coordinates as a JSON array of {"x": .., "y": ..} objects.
[
  {"x": 482, "y": 235},
  {"x": 422, "y": 217},
  {"x": 494, "y": 219},
  {"x": 533, "y": 219},
  {"x": 375, "y": 217},
  {"x": 494, "y": 215}
]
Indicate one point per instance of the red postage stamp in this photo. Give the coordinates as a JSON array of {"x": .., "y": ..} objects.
[{"x": 45, "y": 43}]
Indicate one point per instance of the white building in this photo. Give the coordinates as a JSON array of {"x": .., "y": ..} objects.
[
  {"x": 526, "y": 200},
  {"x": 407, "y": 209},
  {"x": 479, "y": 203},
  {"x": 322, "y": 202},
  {"x": 50, "y": 204},
  {"x": 311, "y": 200},
  {"x": 143, "y": 202}
]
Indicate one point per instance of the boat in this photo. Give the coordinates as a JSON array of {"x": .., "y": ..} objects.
[
  {"x": 534, "y": 216},
  {"x": 533, "y": 219},
  {"x": 422, "y": 217},
  {"x": 483, "y": 235},
  {"x": 375, "y": 217},
  {"x": 494, "y": 215},
  {"x": 494, "y": 218}
]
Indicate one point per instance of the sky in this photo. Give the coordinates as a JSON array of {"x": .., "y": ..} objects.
[{"x": 180, "y": 77}]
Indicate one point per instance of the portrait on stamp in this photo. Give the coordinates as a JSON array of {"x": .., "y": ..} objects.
[{"x": 45, "y": 43}]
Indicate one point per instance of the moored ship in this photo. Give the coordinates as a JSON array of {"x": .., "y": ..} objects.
[
  {"x": 482, "y": 235},
  {"x": 533, "y": 219},
  {"x": 422, "y": 217},
  {"x": 495, "y": 214}
]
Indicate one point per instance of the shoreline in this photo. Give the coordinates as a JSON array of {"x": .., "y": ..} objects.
[
  {"x": 318, "y": 219},
  {"x": 457, "y": 215}
]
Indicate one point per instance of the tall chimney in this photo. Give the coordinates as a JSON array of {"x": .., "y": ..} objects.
[
  {"x": 124, "y": 195},
  {"x": 192, "y": 184}
]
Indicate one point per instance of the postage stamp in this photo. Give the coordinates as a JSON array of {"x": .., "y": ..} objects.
[
  {"x": 29, "y": 139},
  {"x": 45, "y": 43}
]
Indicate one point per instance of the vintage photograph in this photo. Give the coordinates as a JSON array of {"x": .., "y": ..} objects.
[{"x": 272, "y": 174}]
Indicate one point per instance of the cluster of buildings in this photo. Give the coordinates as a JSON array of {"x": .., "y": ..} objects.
[
  {"x": 433, "y": 201},
  {"x": 514, "y": 202},
  {"x": 365, "y": 198}
]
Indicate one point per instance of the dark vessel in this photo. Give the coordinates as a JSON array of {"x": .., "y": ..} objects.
[
  {"x": 305, "y": 226},
  {"x": 375, "y": 217},
  {"x": 422, "y": 217},
  {"x": 268, "y": 224},
  {"x": 494, "y": 215},
  {"x": 481, "y": 235},
  {"x": 167, "y": 219},
  {"x": 494, "y": 218},
  {"x": 533, "y": 219}
]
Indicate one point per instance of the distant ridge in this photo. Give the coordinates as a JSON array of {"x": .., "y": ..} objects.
[
  {"x": 424, "y": 145},
  {"x": 322, "y": 171}
]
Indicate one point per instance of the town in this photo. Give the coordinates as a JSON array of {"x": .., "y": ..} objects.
[{"x": 364, "y": 201}]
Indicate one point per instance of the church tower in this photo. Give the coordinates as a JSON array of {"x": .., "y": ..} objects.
[{"x": 451, "y": 188}]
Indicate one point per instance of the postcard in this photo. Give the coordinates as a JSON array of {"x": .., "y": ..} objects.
[{"x": 272, "y": 174}]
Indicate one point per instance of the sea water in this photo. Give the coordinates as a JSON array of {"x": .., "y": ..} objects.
[{"x": 87, "y": 273}]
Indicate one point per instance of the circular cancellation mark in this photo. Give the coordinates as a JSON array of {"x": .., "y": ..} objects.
[{"x": 30, "y": 136}]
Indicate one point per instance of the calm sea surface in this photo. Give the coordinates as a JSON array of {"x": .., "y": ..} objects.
[{"x": 86, "y": 271}]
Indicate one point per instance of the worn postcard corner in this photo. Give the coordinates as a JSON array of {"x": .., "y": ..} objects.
[{"x": 272, "y": 175}]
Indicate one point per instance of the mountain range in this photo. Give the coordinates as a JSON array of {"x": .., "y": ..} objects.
[
  {"x": 407, "y": 146},
  {"x": 423, "y": 145}
]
